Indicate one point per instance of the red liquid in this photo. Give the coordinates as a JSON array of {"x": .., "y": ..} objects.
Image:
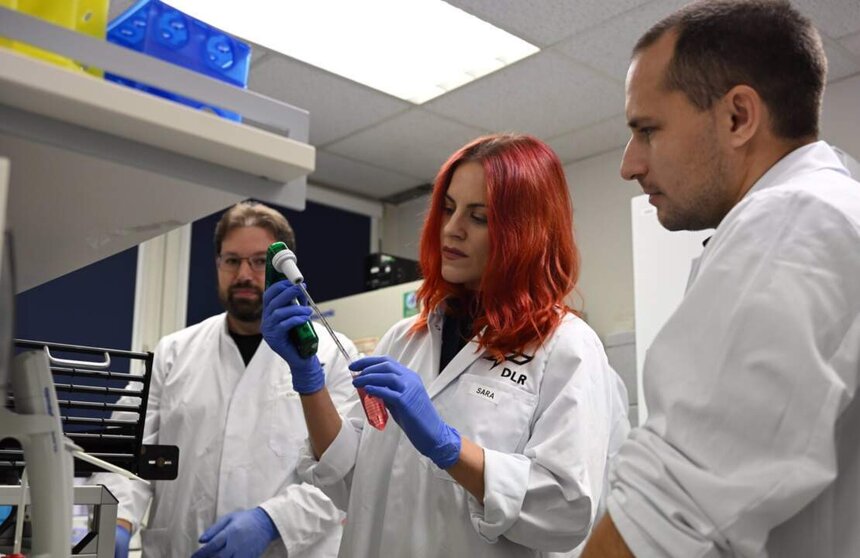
[{"x": 374, "y": 409}]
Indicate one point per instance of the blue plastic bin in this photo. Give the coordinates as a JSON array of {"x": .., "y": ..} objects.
[{"x": 157, "y": 29}]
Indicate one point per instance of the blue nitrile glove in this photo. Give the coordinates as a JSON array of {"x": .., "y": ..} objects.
[
  {"x": 241, "y": 534},
  {"x": 405, "y": 396},
  {"x": 280, "y": 315},
  {"x": 121, "y": 542}
]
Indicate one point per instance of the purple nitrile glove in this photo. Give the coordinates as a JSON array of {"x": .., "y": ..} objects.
[
  {"x": 406, "y": 397},
  {"x": 280, "y": 315},
  {"x": 241, "y": 534}
]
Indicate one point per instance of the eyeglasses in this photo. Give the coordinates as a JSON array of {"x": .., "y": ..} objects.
[{"x": 232, "y": 263}]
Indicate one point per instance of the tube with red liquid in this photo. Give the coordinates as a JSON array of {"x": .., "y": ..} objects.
[{"x": 374, "y": 409}]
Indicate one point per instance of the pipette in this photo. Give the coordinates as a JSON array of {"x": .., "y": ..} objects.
[
  {"x": 303, "y": 337},
  {"x": 284, "y": 261}
]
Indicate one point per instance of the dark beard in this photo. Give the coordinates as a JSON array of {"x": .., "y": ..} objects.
[{"x": 243, "y": 310}]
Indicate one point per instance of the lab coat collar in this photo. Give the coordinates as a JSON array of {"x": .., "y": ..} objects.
[
  {"x": 461, "y": 361},
  {"x": 803, "y": 160},
  {"x": 230, "y": 354},
  {"x": 228, "y": 351},
  {"x": 807, "y": 158}
]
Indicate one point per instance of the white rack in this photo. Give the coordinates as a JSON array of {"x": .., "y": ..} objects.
[{"x": 96, "y": 167}]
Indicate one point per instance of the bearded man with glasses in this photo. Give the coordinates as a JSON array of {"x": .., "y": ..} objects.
[{"x": 226, "y": 400}]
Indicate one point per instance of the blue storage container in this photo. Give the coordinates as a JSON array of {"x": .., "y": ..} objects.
[{"x": 157, "y": 29}]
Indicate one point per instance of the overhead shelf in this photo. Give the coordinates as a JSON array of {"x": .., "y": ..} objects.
[
  {"x": 80, "y": 99},
  {"x": 96, "y": 167}
]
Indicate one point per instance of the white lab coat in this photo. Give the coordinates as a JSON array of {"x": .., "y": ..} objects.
[
  {"x": 239, "y": 431},
  {"x": 547, "y": 425},
  {"x": 751, "y": 447}
]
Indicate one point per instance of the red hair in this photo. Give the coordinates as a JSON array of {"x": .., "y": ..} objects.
[{"x": 533, "y": 261}]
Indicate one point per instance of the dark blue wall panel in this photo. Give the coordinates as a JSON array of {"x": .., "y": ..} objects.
[
  {"x": 331, "y": 246},
  {"x": 92, "y": 306}
]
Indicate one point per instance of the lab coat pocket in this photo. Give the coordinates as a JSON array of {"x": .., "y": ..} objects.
[
  {"x": 286, "y": 423},
  {"x": 492, "y": 413}
]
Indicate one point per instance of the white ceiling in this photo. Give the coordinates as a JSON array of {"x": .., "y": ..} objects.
[{"x": 570, "y": 94}]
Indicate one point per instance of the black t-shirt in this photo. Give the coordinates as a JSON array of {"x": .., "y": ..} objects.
[
  {"x": 247, "y": 344},
  {"x": 456, "y": 332}
]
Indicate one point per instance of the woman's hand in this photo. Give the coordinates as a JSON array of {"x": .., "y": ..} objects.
[
  {"x": 280, "y": 315},
  {"x": 405, "y": 396}
]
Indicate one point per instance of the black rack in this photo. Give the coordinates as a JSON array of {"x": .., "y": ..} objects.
[{"x": 92, "y": 414}]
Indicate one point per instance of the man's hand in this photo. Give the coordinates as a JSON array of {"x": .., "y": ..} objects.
[{"x": 242, "y": 534}]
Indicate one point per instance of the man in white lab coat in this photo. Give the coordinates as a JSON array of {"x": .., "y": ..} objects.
[
  {"x": 751, "y": 446},
  {"x": 226, "y": 400}
]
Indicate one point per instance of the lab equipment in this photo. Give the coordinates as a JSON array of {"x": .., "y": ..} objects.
[
  {"x": 405, "y": 394},
  {"x": 157, "y": 29},
  {"x": 100, "y": 428},
  {"x": 280, "y": 265},
  {"x": 385, "y": 270},
  {"x": 241, "y": 533},
  {"x": 36, "y": 424},
  {"x": 285, "y": 261},
  {"x": 83, "y": 16}
]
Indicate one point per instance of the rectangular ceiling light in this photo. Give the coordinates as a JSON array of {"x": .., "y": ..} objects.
[{"x": 413, "y": 49}]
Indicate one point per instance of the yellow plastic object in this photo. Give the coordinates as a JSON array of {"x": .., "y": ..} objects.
[{"x": 84, "y": 16}]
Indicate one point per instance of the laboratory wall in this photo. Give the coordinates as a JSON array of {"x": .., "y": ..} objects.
[
  {"x": 401, "y": 227},
  {"x": 840, "y": 116},
  {"x": 601, "y": 217}
]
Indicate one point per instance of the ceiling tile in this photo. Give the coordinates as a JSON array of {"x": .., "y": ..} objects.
[
  {"x": 545, "y": 95},
  {"x": 840, "y": 61},
  {"x": 415, "y": 143},
  {"x": 548, "y": 21},
  {"x": 358, "y": 177},
  {"x": 836, "y": 18},
  {"x": 599, "y": 138},
  {"x": 338, "y": 106},
  {"x": 607, "y": 47}
]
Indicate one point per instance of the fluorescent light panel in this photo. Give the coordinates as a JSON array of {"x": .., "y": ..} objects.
[{"x": 413, "y": 49}]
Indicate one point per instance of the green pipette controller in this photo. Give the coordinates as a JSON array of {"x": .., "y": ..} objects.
[{"x": 280, "y": 265}]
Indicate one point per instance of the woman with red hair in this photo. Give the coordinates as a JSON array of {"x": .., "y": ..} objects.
[{"x": 507, "y": 412}]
